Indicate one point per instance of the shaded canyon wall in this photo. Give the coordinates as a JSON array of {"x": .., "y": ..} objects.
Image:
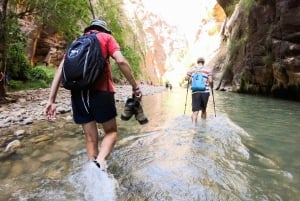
[{"x": 261, "y": 49}]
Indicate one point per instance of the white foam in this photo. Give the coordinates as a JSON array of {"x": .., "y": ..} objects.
[{"x": 98, "y": 185}]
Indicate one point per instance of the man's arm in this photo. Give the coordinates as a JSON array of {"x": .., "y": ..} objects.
[
  {"x": 55, "y": 83},
  {"x": 50, "y": 108},
  {"x": 126, "y": 70}
]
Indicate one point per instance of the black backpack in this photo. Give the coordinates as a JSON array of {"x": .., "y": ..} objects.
[{"x": 83, "y": 63}]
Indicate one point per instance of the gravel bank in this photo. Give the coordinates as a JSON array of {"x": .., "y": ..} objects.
[{"x": 30, "y": 104}]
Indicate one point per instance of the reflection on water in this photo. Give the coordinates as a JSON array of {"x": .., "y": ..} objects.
[{"x": 241, "y": 154}]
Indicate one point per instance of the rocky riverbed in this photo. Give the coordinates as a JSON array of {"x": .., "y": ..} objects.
[{"x": 17, "y": 118}]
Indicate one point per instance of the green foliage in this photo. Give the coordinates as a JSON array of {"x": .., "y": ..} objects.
[
  {"x": 43, "y": 73},
  {"x": 67, "y": 17},
  {"x": 134, "y": 59},
  {"x": 16, "y": 85},
  {"x": 62, "y": 16},
  {"x": 18, "y": 66},
  {"x": 116, "y": 73},
  {"x": 38, "y": 74},
  {"x": 110, "y": 11},
  {"x": 235, "y": 46},
  {"x": 14, "y": 32},
  {"x": 39, "y": 77},
  {"x": 230, "y": 8},
  {"x": 247, "y": 5},
  {"x": 50, "y": 71}
]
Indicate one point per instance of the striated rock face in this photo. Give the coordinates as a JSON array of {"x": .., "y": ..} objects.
[
  {"x": 263, "y": 49},
  {"x": 48, "y": 45},
  {"x": 159, "y": 40}
]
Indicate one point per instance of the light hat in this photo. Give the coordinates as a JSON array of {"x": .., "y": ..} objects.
[{"x": 98, "y": 23}]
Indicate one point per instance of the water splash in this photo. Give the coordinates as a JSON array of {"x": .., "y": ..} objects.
[
  {"x": 88, "y": 183},
  {"x": 96, "y": 184}
]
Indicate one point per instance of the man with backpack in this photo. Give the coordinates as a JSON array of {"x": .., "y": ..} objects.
[
  {"x": 96, "y": 104},
  {"x": 201, "y": 82}
]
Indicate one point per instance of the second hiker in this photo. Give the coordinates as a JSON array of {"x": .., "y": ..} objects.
[{"x": 201, "y": 83}]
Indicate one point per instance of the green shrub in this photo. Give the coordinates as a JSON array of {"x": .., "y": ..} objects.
[
  {"x": 18, "y": 67},
  {"x": 40, "y": 77},
  {"x": 38, "y": 74},
  {"x": 45, "y": 73},
  {"x": 50, "y": 71},
  {"x": 17, "y": 85},
  {"x": 14, "y": 85}
]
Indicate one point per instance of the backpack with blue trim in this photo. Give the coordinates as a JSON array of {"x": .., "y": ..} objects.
[
  {"x": 198, "y": 82},
  {"x": 83, "y": 63}
]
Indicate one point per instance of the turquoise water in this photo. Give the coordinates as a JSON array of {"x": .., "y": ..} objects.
[{"x": 248, "y": 151}]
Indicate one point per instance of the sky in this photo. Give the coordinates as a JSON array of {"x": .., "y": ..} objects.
[{"x": 186, "y": 15}]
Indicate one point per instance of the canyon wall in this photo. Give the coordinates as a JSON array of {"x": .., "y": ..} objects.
[{"x": 261, "y": 49}]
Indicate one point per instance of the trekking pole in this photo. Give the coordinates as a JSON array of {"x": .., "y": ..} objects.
[
  {"x": 212, "y": 92},
  {"x": 187, "y": 91}
]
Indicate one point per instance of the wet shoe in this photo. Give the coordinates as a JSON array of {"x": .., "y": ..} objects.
[
  {"x": 128, "y": 111},
  {"x": 101, "y": 165},
  {"x": 139, "y": 113},
  {"x": 97, "y": 164}
]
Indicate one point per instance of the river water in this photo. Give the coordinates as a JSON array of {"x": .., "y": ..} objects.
[{"x": 247, "y": 151}]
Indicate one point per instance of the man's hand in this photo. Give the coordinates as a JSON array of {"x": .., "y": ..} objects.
[
  {"x": 137, "y": 93},
  {"x": 50, "y": 111}
]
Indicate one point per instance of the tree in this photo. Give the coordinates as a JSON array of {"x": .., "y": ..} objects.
[
  {"x": 64, "y": 16},
  {"x": 3, "y": 48}
]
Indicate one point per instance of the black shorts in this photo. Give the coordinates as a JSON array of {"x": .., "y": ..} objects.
[
  {"x": 93, "y": 106},
  {"x": 199, "y": 101}
]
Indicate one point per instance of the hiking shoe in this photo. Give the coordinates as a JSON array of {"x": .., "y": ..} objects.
[
  {"x": 97, "y": 164},
  {"x": 139, "y": 113},
  {"x": 128, "y": 109},
  {"x": 101, "y": 165}
]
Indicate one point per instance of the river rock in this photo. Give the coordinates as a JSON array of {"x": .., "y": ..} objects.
[
  {"x": 19, "y": 132},
  {"x": 28, "y": 107},
  {"x": 41, "y": 138},
  {"x": 12, "y": 146}
]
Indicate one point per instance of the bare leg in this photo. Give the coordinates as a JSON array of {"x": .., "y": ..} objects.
[
  {"x": 91, "y": 135},
  {"x": 194, "y": 117},
  {"x": 109, "y": 139},
  {"x": 203, "y": 114}
]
